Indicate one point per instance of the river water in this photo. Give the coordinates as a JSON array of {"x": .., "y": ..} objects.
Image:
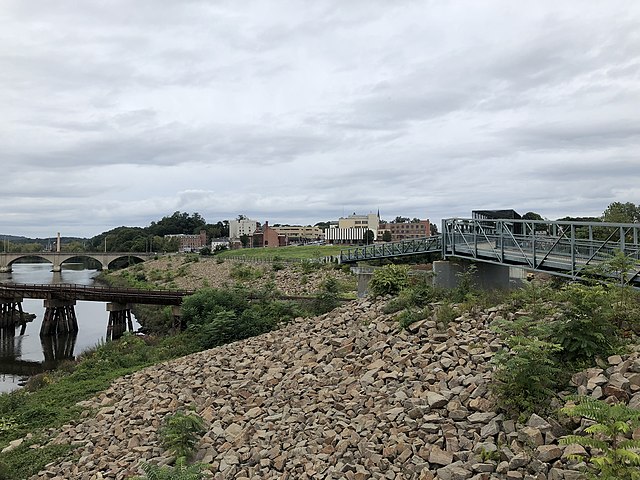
[{"x": 28, "y": 354}]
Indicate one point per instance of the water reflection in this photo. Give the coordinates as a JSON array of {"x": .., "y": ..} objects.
[{"x": 22, "y": 351}]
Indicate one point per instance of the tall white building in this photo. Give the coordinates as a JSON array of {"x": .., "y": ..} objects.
[
  {"x": 246, "y": 226},
  {"x": 352, "y": 229}
]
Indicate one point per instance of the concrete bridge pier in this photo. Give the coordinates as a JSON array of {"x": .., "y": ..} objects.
[
  {"x": 363, "y": 276},
  {"x": 59, "y": 317},
  {"x": 486, "y": 276},
  {"x": 119, "y": 320}
]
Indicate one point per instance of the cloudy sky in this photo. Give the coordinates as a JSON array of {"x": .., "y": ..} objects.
[{"x": 121, "y": 112}]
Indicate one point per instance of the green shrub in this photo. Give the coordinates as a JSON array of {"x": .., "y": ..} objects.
[
  {"x": 243, "y": 272},
  {"x": 181, "y": 432},
  {"x": 585, "y": 329},
  {"x": 307, "y": 266},
  {"x": 613, "y": 455},
  {"x": 216, "y": 316},
  {"x": 389, "y": 280},
  {"x": 445, "y": 313},
  {"x": 409, "y": 316},
  {"x": 526, "y": 376},
  {"x": 328, "y": 297},
  {"x": 181, "y": 471},
  {"x": 396, "y": 304}
]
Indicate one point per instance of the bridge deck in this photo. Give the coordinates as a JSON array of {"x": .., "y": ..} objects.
[
  {"x": 572, "y": 249},
  {"x": 100, "y": 294}
]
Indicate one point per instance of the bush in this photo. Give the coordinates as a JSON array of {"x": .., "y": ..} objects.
[
  {"x": 585, "y": 329},
  {"x": 389, "y": 280},
  {"x": 409, "y": 316},
  {"x": 526, "y": 376},
  {"x": 181, "y": 471},
  {"x": 327, "y": 299},
  {"x": 214, "y": 317},
  {"x": 181, "y": 432},
  {"x": 445, "y": 314},
  {"x": 244, "y": 272}
]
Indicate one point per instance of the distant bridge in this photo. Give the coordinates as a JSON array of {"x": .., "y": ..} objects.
[
  {"x": 570, "y": 249},
  {"x": 70, "y": 291},
  {"x": 58, "y": 258}
]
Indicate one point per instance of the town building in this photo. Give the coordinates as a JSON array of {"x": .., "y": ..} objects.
[
  {"x": 505, "y": 214},
  {"x": 266, "y": 236},
  {"x": 353, "y": 229},
  {"x": 217, "y": 243},
  {"x": 189, "y": 243},
  {"x": 405, "y": 230},
  {"x": 300, "y": 233},
  {"x": 242, "y": 226}
]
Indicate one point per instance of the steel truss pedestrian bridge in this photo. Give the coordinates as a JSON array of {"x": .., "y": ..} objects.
[{"x": 569, "y": 249}]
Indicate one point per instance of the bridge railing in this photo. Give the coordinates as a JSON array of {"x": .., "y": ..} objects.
[
  {"x": 83, "y": 292},
  {"x": 570, "y": 247},
  {"x": 392, "y": 249}
]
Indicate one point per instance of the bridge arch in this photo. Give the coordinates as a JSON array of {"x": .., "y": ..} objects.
[{"x": 56, "y": 259}]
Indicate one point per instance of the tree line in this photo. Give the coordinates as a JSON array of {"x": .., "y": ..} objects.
[{"x": 129, "y": 239}]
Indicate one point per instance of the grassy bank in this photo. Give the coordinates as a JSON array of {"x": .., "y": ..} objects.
[
  {"x": 308, "y": 252},
  {"x": 49, "y": 400}
]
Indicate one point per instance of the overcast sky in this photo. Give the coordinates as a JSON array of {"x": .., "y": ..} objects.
[{"x": 121, "y": 112}]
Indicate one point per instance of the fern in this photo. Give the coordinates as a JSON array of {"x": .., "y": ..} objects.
[
  {"x": 181, "y": 432},
  {"x": 616, "y": 457},
  {"x": 181, "y": 471}
]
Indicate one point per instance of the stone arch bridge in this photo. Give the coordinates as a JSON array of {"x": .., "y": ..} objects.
[{"x": 58, "y": 258}]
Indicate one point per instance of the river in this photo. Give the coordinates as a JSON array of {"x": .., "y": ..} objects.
[{"x": 27, "y": 354}]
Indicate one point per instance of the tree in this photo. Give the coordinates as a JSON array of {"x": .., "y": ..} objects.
[
  {"x": 535, "y": 216},
  {"x": 415, "y": 220},
  {"x": 369, "y": 237},
  {"x": 244, "y": 239},
  {"x": 532, "y": 216},
  {"x": 179, "y": 222},
  {"x": 433, "y": 229},
  {"x": 401, "y": 220},
  {"x": 386, "y": 236},
  {"x": 618, "y": 212}
]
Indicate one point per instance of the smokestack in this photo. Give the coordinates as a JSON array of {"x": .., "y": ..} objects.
[{"x": 58, "y": 244}]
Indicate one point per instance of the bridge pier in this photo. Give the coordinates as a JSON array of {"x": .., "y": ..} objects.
[
  {"x": 119, "y": 320},
  {"x": 486, "y": 276},
  {"x": 11, "y": 314},
  {"x": 58, "y": 347},
  {"x": 59, "y": 317},
  {"x": 363, "y": 276}
]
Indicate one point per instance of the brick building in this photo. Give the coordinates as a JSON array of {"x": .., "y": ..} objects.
[
  {"x": 189, "y": 243},
  {"x": 268, "y": 237},
  {"x": 406, "y": 231}
]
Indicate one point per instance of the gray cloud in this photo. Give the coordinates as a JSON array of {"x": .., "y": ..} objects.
[{"x": 121, "y": 113}]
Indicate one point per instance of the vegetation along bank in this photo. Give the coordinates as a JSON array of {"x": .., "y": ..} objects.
[{"x": 412, "y": 382}]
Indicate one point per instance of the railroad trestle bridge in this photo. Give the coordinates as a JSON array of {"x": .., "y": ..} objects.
[{"x": 60, "y": 301}]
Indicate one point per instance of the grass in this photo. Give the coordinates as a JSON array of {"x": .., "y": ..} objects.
[
  {"x": 285, "y": 253},
  {"x": 51, "y": 401}
]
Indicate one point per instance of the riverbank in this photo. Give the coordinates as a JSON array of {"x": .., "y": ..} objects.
[
  {"x": 396, "y": 387},
  {"x": 344, "y": 395},
  {"x": 190, "y": 272}
]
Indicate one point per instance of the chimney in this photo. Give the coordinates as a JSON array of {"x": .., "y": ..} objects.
[{"x": 58, "y": 243}]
